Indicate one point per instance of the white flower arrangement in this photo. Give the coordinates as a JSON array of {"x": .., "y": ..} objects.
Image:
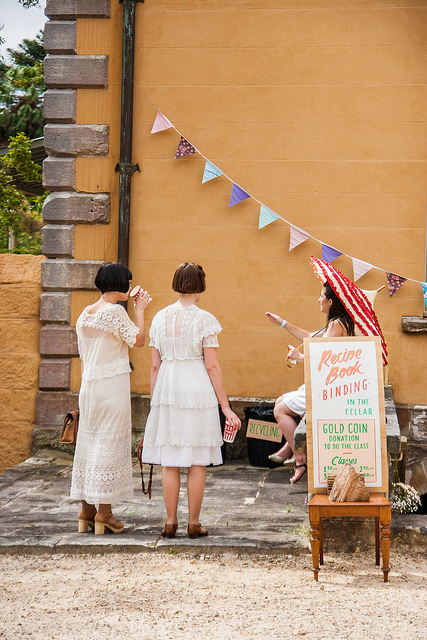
[{"x": 404, "y": 498}]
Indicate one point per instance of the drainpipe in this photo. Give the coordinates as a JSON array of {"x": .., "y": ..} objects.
[{"x": 125, "y": 167}]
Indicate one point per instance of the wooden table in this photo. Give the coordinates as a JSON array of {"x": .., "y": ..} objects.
[{"x": 378, "y": 507}]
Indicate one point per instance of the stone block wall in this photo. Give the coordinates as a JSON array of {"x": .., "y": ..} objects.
[
  {"x": 66, "y": 72},
  {"x": 19, "y": 354},
  {"x": 413, "y": 425}
]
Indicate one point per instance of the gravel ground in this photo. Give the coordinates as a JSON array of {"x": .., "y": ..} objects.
[{"x": 175, "y": 595}]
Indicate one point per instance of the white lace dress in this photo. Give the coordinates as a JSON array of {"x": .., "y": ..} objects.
[
  {"x": 183, "y": 427},
  {"x": 102, "y": 471}
]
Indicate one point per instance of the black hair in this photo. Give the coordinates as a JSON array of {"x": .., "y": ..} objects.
[
  {"x": 189, "y": 277},
  {"x": 113, "y": 276},
  {"x": 337, "y": 310}
]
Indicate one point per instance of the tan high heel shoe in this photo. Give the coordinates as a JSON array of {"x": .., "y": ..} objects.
[
  {"x": 86, "y": 520},
  {"x": 107, "y": 521},
  {"x": 196, "y": 531}
]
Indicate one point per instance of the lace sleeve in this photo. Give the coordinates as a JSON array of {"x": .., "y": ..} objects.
[
  {"x": 207, "y": 331},
  {"x": 125, "y": 329},
  {"x": 154, "y": 332}
]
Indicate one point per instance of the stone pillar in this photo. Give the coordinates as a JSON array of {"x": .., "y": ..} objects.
[{"x": 65, "y": 74}]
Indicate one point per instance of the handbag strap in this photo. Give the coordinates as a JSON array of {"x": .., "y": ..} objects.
[{"x": 147, "y": 491}]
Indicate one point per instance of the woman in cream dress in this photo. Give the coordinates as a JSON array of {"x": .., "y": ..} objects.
[
  {"x": 102, "y": 470},
  {"x": 183, "y": 428}
]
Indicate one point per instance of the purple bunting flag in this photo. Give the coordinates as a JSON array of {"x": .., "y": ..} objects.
[
  {"x": 184, "y": 149},
  {"x": 329, "y": 253},
  {"x": 237, "y": 195},
  {"x": 394, "y": 282}
]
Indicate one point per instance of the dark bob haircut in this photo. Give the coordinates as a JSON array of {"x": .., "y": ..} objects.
[
  {"x": 189, "y": 277},
  {"x": 113, "y": 276}
]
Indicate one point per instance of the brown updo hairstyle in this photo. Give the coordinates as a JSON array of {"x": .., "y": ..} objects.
[{"x": 189, "y": 277}]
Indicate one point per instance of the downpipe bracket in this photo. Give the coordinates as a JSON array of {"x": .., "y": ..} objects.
[{"x": 126, "y": 168}]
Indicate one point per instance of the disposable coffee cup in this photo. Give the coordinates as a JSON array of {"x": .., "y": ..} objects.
[
  {"x": 135, "y": 291},
  {"x": 290, "y": 347},
  {"x": 229, "y": 433}
]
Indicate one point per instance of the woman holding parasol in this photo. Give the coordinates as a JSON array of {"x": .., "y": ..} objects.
[{"x": 349, "y": 312}]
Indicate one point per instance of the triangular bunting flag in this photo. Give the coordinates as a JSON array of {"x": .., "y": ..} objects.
[
  {"x": 424, "y": 288},
  {"x": 360, "y": 268},
  {"x": 210, "y": 172},
  {"x": 394, "y": 282},
  {"x": 266, "y": 216},
  {"x": 237, "y": 195},
  {"x": 329, "y": 253},
  {"x": 161, "y": 123},
  {"x": 184, "y": 149},
  {"x": 297, "y": 236}
]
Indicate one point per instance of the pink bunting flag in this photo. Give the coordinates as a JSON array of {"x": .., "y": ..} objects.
[
  {"x": 161, "y": 123},
  {"x": 185, "y": 148},
  {"x": 360, "y": 268},
  {"x": 297, "y": 237},
  {"x": 329, "y": 253},
  {"x": 394, "y": 282},
  {"x": 237, "y": 195}
]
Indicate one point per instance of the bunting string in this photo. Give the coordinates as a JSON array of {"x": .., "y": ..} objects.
[{"x": 267, "y": 215}]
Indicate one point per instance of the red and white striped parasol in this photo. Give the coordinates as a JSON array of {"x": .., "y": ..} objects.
[{"x": 354, "y": 300}]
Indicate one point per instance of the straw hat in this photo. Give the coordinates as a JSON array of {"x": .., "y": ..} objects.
[{"x": 354, "y": 299}]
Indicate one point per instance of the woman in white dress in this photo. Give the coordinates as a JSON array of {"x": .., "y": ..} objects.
[
  {"x": 290, "y": 407},
  {"x": 183, "y": 428},
  {"x": 102, "y": 470}
]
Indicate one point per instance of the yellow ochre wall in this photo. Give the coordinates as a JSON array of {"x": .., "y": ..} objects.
[
  {"x": 317, "y": 109},
  {"x": 19, "y": 354}
]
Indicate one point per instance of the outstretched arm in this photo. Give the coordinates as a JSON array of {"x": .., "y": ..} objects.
[{"x": 297, "y": 332}]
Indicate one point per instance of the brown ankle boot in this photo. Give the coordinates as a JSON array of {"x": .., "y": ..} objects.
[
  {"x": 86, "y": 519},
  {"x": 107, "y": 521}
]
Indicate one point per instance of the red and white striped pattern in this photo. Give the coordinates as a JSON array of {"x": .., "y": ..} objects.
[{"x": 354, "y": 300}]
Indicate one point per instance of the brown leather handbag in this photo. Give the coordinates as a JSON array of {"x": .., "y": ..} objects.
[
  {"x": 69, "y": 430},
  {"x": 145, "y": 491}
]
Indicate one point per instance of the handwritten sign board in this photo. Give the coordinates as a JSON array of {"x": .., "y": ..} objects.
[
  {"x": 264, "y": 430},
  {"x": 345, "y": 410}
]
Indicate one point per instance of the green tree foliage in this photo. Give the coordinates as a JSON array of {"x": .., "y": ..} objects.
[
  {"x": 21, "y": 91},
  {"x": 19, "y": 214}
]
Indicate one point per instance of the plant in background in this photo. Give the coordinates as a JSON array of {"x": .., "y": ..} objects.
[
  {"x": 19, "y": 215},
  {"x": 21, "y": 90},
  {"x": 403, "y": 497}
]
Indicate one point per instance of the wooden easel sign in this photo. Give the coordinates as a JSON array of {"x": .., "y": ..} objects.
[{"x": 345, "y": 410}]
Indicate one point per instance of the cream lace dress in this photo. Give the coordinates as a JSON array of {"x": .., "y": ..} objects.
[
  {"x": 102, "y": 471},
  {"x": 183, "y": 427}
]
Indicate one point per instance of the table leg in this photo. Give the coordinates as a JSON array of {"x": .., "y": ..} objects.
[
  {"x": 315, "y": 528},
  {"x": 377, "y": 542},
  {"x": 321, "y": 541},
  {"x": 385, "y": 521}
]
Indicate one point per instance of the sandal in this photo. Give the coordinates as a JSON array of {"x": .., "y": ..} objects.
[
  {"x": 169, "y": 531},
  {"x": 299, "y": 466},
  {"x": 196, "y": 531},
  {"x": 279, "y": 459}
]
